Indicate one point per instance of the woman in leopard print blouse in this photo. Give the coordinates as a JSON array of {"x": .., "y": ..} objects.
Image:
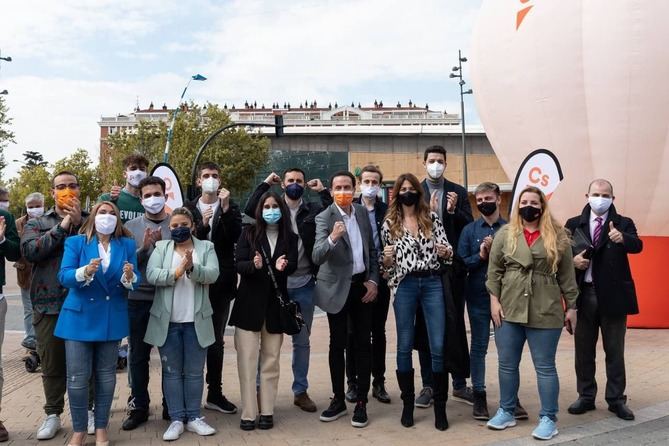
[{"x": 415, "y": 246}]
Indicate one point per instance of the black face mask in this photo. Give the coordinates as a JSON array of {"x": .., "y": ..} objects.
[
  {"x": 408, "y": 198},
  {"x": 487, "y": 208},
  {"x": 529, "y": 213}
]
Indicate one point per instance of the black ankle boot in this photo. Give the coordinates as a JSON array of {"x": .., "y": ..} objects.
[
  {"x": 408, "y": 394},
  {"x": 440, "y": 395},
  {"x": 480, "y": 411}
]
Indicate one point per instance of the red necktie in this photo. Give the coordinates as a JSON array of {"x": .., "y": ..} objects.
[{"x": 598, "y": 231}]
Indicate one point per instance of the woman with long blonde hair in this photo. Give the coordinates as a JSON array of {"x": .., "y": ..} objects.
[
  {"x": 415, "y": 245},
  {"x": 530, "y": 280}
]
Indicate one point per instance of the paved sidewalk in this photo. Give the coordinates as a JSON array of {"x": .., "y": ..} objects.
[{"x": 648, "y": 390}]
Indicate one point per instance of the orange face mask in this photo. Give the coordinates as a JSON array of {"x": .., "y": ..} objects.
[
  {"x": 343, "y": 198},
  {"x": 64, "y": 197}
]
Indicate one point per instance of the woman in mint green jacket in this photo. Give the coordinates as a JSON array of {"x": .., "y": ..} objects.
[{"x": 180, "y": 323}]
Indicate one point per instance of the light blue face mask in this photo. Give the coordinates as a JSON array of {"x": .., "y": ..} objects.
[{"x": 271, "y": 216}]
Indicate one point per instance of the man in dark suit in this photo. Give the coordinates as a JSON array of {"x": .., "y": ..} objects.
[
  {"x": 450, "y": 201},
  {"x": 346, "y": 286},
  {"x": 602, "y": 241},
  {"x": 370, "y": 186},
  {"x": 218, "y": 218}
]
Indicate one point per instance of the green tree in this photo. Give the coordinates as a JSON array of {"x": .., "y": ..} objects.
[
  {"x": 29, "y": 180},
  {"x": 33, "y": 159},
  {"x": 80, "y": 164},
  {"x": 239, "y": 153},
  {"x": 6, "y": 135}
]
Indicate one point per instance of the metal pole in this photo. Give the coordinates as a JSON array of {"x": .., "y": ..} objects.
[
  {"x": 462, "y": 118},
  {"x": 170, "y": 130}
]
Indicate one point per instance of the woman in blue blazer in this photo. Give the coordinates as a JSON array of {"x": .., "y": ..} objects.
[{"x": 98, "y": 267}]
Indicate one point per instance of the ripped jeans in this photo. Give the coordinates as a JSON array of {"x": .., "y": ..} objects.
[{"x": 182, "y": 359}]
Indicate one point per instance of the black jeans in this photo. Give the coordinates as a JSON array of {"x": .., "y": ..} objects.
[
  {"x": 613, "y": 328},
  {"x": 379, "y": 318},
  {"x": 360, "y": 315},
  {"x": 221, "y": 306},
  {"x": 140, "y": 352}
]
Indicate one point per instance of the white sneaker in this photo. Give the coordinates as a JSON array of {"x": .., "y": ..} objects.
[
  {"x": 199, "y": 426},
  {"x": 174, "y": 431},
  {"x": 49, "y": 427},
  {"x": 91, "y": 422}
]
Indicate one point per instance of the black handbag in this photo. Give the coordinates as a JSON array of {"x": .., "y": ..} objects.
[{"x": 290, "y": 313}]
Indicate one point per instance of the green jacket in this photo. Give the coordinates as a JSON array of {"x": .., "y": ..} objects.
[
  {"x": 159, "y": 272},
  {"x": 527, "y": 290},
  {"x": 9, "y": 249}
]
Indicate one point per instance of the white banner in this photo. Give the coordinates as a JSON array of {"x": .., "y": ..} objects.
[
  {"x": 172, "y": 186},
  {"x": 540, "y": 169}
]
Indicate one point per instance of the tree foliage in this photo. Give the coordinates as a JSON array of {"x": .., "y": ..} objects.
[
  {"x": 6, "y": 135},
  {"x": 80, "y": 164},
  {"x": 239, "y": 153},
  {"x": 34, "y": 159},
  {"x": 29, "y": 180}
]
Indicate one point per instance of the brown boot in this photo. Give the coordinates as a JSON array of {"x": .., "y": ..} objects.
[{"x": 305, "y": 403}]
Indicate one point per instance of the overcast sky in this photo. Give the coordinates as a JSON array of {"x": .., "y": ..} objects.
[{"x": 75, "y": 60}]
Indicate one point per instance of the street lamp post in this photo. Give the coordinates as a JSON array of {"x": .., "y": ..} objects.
[
  {"x": 457, "y": 73},
  {"x": 170, "y": 130}
]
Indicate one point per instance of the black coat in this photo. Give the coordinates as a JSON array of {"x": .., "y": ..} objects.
[
  {"x": 453, "y": 223},
  {"x": 305, "y": 218},
  {"x": 226, "y": 229},
  {"x": 256, "y": 301},
  {"x": 611, "y": 274},
  {"x": 380, "y": 209}
]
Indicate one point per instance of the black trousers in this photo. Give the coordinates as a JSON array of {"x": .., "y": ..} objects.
[
  {"x": 360, "y": 316},
  {"x": 379, "y": 317},
  {"x": 221, "y": 306},
  {"x": 613, "y": 328},
  {"x": 140, "y": 352}
]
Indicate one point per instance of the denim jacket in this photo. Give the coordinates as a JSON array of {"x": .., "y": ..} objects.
[{"x": 469, "y": 246}]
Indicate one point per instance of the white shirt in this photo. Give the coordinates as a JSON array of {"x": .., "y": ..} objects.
[
  {"x": 593, "y": 225},
  {"x": 105, "y": 258},
  {"x": 183, "y": 302},
  {"x": 202, "y": 207},
  {"x": 355, "y": 237}
]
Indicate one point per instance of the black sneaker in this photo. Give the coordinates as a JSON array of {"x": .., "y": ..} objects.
[
  {"x": 135, "y": 418},
  {"x": 336, "y": 410},
  {"x": 379, "y": 392},
  {"x": 360, "y": 415},
  {"x": 352, "y": 393},
  {"x": 220, "y": 403}
]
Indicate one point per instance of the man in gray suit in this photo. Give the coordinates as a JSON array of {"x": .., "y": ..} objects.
[{"x": 346, "y": 286}]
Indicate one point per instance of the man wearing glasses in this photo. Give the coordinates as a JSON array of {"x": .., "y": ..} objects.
[{"x": 42, "y": 245}]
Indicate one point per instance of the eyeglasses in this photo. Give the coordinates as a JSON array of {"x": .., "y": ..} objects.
[{"x": 73, "y": 186}]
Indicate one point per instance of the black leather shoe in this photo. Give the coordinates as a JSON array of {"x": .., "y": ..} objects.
[
  {"x": 352, "y": 393},
  {"x": 266, "y": 422},
  {"x": 379, "y": 392},
  {"x": 247, "y": 425},
  {"x": 581, "y": 406},
  {"x": 622, "y": 411},
  {"x": 135, "y": 419}
]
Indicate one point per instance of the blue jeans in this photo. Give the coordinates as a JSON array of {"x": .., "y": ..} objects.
[
  {"x": 83, "y": 359},
  {"x": 27, "y": 317},
  {"x": 510, "y": 339},
  {"x": 428, "y": 292},
  {"x": 478, "y": 309},
  {"x": 182, "y": 359},
  {"x": 301, "y": 348}
]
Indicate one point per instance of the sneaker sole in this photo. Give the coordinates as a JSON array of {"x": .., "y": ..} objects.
[
  {"x": 218, "y": 408},
  {"x": 501, "y": 427},
  {"x": 522, "y": 417},
  {"x": 481, "y": 418},
  {"x": 196, "y": 432},
  {"x": 538, "y": 437},
  {"x": 424, "y": 406},
  {"x": 334, "y": 417},
  {"x": 462, "y": 400},
  {"x": 359, "y": 424}
]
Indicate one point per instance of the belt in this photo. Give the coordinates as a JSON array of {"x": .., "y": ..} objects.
[
  {"x": 360, "y": 277},
  {"x": 428, "y": 273}
]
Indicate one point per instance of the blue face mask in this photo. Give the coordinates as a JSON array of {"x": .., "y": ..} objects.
[
  {"x": 180, "y": 234},
  {"x": 271, "y": 216},
  {"x": 294, "y": 191}
]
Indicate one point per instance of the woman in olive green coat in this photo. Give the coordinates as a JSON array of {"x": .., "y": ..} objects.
[{"x": 530, "y": 274}]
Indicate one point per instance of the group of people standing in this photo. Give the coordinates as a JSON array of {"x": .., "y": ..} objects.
[{"x": 169, "y": 277}]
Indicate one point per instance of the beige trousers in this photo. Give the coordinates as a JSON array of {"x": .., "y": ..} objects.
[{"x": 252, "y": 346}]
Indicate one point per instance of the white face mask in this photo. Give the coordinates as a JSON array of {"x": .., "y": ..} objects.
[
  {"x": 4, "y": 205},
  {"x": 600, "y": 205},
  {"x": 369, "y": 191},
  {"x": 135, "y": 176},
  {"x": 210, "y": 185},
  {"x": 105, "y": 223},
  {"x": 435, "y": 170},
  {"x": 154, "y": 205},
  {"x": 35, "y": 212}
]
